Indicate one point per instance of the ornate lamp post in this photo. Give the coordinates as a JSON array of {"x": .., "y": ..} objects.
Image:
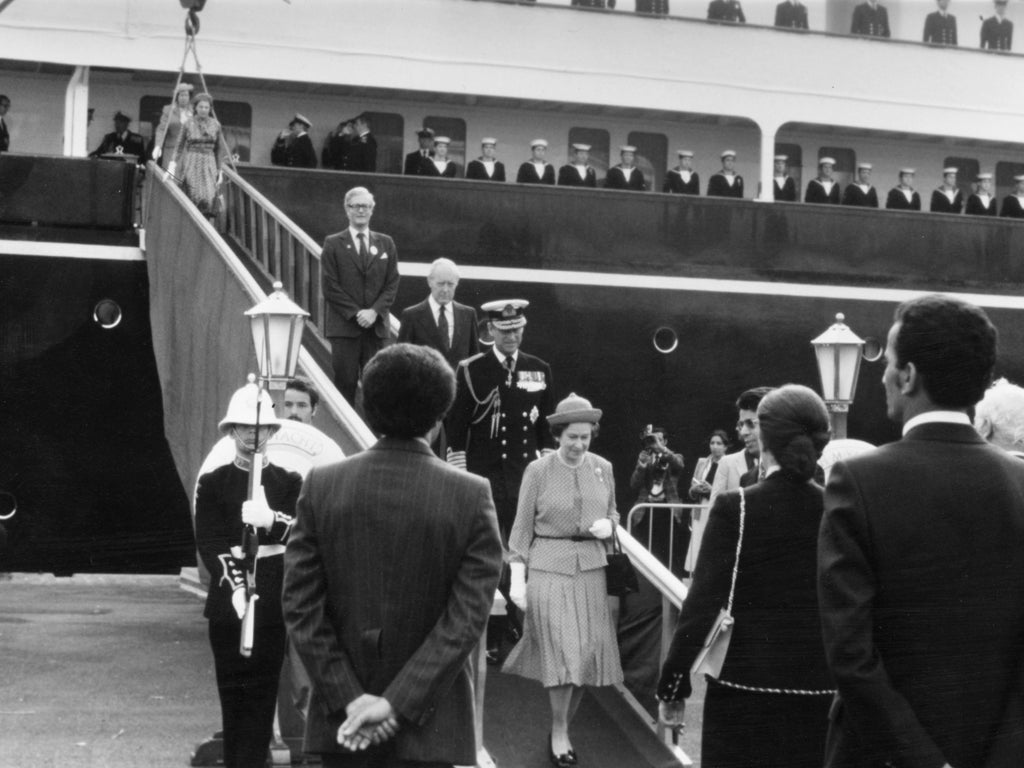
[
  {"x": 277, "y": 324},
  {"x": 838, "y": 351}
]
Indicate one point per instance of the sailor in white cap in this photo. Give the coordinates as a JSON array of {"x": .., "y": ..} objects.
[
  {"x": 823, "y": 189},
  {"x": 783, "y": 186},
  {"x": 440, "y": 165},
  {"x": 903, "y": 197},
  {"x": 537, "y": 170},
  {"x": 247, "y": 685},
  {"x": 982, "y": 202},
  {"x": 578, "y": 173},
  {"x": 947, "y": 198},
  {"x": 861, "y": 193},
  {"x": 626, "y": 175},
  {"x": 726, "y": 182},
  {"x": 486, "y": 167},
  {"x": 293, "y": 147},
  {"x": 1013, "y": 203},
  {"x": 682, "y": 180}
]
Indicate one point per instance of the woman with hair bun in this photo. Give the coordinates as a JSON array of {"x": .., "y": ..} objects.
[{"x": 769, "y": 706}]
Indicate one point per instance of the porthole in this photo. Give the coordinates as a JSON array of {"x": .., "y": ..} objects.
[{"x": 107, "y": 314}]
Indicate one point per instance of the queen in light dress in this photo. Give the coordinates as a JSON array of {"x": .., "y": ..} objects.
[
  {"x": 172, "y": 118},
  {"x": 566, "y": 508},
  {"x": 200, "y": 155}
]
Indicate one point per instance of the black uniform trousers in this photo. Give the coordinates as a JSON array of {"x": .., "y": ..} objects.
[
  {"x": 248, "y": 690},
  {"x": 381, "y": 756}
]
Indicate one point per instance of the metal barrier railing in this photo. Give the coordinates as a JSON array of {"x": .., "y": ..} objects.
[{"x": 650, "y": 509}]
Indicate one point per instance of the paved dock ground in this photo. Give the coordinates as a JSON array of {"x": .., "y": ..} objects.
[
  {"x": 116, "y": 672},
  {"x": 103, "y": 672}
]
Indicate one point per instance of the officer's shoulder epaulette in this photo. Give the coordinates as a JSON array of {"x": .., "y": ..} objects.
[{"x": 471, "y": 359}]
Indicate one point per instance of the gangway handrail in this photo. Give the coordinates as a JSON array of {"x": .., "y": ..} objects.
[
  {"x": 652, "y": 569},
  {"x": 330, "y": 399},
  {"x": 283, "y": 249}
]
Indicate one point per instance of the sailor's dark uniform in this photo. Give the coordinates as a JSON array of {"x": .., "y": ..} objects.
[{"x": 247, "y": 686}]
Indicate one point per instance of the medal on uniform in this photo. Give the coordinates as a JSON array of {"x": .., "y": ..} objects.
[{"x": 534, "y": 415}]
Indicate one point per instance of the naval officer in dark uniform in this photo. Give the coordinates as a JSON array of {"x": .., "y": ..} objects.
[
  {"x": 940, "y": 26},
  {"x": 496, "y": 425},
  {"x": 997, "y": 30}
]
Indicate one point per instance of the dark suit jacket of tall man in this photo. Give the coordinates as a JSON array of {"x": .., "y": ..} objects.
[
  {"x": 412, "y": 163},
  {"x": 921, "y": 586},
  {"x": 297, "y": 153},
  {"x": 361, "y": 154},
  {"x": 390, "y": 574},
  {"x": 419, "y": 327},
  {"x": 791, "y": 15},
  {"x": 939, "y": 29},
  {"x": 351, "y": 284},
  {"x": 873, "y": 22}
]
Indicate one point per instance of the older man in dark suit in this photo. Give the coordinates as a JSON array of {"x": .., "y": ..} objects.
[
  {"x": 921, "y": 564},
  {"x": 360, "y": 280},
  {"x": 389, "y": 577},
  {"x": 439, "y": 321}
]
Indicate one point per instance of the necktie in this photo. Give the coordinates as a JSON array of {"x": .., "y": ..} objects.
[
  {"x": 442, "y": 326},
  {"x": 362, "y": 246},
  {"x": 510, "y": 364}
]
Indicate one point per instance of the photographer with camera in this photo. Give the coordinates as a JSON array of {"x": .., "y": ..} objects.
[{"x": 655, "y": 479}]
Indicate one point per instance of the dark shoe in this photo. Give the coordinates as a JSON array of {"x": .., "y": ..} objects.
[{"x": 566, "y": 760}]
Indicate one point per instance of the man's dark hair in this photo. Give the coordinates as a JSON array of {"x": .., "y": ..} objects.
[
  {"x": 951, "y": 343},
  {"x": 750, "y": 399},
  {"x": 300, "y": 384},
  {"x": 407, "y": 388},
  {"x": 4, "y": 99}
]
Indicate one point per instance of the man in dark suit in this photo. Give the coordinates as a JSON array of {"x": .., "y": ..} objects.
[
  {"x": 414, "y": 160},
  {"x": 121, "y": 141},
  {"x": 361, "y": 156},
  {"x": 726, "y": 182},
  {"x": 726, "y": 10},
  {"x": 360, "y": 280},
  {"x": 682, "y": 180},
  {"x": 870, "y": 19},
  {"x": 335, "y": 152},
  {"x": 293, "y": 148},
  {"x": 947, "y": 198},
  {"x": 5, "y": 137},
  {"x": 791, "y": 14},
  {"x": 626, "y": 175},
  {"x": 982, "y": 202},
  {"x": 903, "y": 197},
  {"x": 861, "y": 193},
  {"x": 486, "y": 167},
  {"x": 1013, "y": 204},
  {"x": 439, "y": 321},
  {"x": 823, "y": 189},
  {"x": 921, "y": 564},
  {"x": 783, "y": 186},
  {"x": 940, "y": 26},
  {"x": 389, "y": 578},
  {"x": 578, "y": 173},
  {"x": 997, "y": 30},
  {"x": 536, "y": 170}
]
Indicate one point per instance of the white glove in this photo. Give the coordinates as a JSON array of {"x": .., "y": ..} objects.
[
  {"x": 239, "y": 602},
  {"x": 171, "y": 168},
  {"x": 157, "y": 151},
  {"x": 258, "y": 514},
  {"x": 517, "y": 589},
  {"x": 602, "y": 529},
  {"x": 457, "y": 458}
]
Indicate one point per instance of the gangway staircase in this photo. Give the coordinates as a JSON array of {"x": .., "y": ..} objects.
[{"x": 200, "y": 285}]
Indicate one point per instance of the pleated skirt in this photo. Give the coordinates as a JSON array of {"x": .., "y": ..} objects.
[{"x": 568, "y": 635}]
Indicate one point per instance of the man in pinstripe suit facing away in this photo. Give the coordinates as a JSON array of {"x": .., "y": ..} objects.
[{"x": 389, "y": 577}]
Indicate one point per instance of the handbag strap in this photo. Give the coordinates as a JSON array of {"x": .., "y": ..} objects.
[{"x": 739, "y": 546}]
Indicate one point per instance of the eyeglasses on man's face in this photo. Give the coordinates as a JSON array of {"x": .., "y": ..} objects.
[{"x": 360, "y": 206}]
